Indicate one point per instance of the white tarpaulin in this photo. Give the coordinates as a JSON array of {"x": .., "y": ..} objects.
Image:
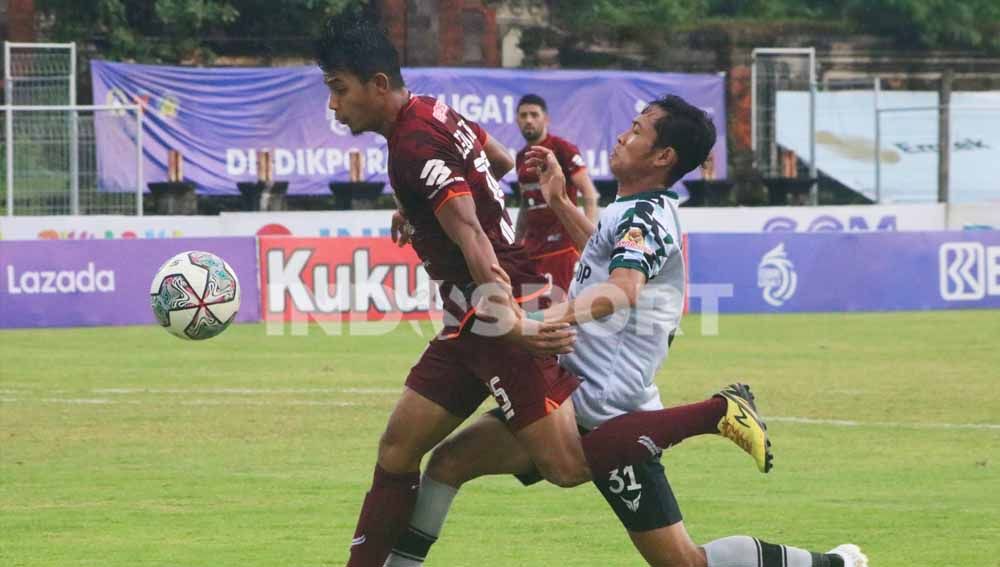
[{"x": 845, "y": 142}]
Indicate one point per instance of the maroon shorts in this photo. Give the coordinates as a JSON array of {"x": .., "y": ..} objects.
[
  {"x": 458, "y": 374},
  {"x": 560, "y": 266}
]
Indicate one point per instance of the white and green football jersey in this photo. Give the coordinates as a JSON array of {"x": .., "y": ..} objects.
[{"x": 617, "y": 357}]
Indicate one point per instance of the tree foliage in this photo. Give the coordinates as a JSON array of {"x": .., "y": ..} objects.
[
  {"x": 918, "y": 23},
  {"x": 173, "y": 31}
]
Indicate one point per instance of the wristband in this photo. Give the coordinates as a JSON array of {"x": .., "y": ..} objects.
[{"x": 536, "y": 316}]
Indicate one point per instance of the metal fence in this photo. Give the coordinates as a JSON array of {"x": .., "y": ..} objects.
[
  {"x": 51, "y": 164},
  {"x": 776, "y": 69},
  {"x": 49, "y": 155}
]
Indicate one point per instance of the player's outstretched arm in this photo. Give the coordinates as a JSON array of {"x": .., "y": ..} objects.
[
  {"x": 589, "y": 193},
  {"x": 621, "y": 291},
  {"x": 553, "y": 185}
]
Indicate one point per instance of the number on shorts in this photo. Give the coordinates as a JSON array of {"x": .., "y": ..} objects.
[
  {"x": 503, "y": 400},
  {"x": 618, "y": 483}
]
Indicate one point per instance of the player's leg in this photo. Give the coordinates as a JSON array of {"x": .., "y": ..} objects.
[
  {"x": 669, "y": 546},
  {"x": 641, "y": 497},
  {"x": 486, "y": 447},
  {"x": 415, "y": 427},
  {"x": 439, "y": 395},
  {"x": 746, "y": 551},
  {"x": 630, "y": 438},
  {"x": 534, "y": 392},
  {"x": 672, "y": 547}
]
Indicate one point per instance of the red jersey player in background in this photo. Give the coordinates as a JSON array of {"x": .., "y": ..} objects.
[{"x": 538, "y": 230}]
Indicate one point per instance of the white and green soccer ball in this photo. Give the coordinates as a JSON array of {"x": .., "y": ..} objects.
[{"x": 195, "y": 295}]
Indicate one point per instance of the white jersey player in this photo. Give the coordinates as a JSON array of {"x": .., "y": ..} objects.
[
  {"x": 616, "y": 358},
  {"x": 627, "y": 300}
]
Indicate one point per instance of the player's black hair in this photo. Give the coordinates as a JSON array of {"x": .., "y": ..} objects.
[
  {"x": 532, "y": 99},
  {"x": 685, "y": 128},
  {"x": 352, "y": 41}
]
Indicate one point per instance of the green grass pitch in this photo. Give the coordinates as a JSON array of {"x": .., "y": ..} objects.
[{"x": 125, "y": 447}]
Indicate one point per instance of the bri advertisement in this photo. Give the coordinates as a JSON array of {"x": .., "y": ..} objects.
[
  {"x": 875, "y": 271},
  {"x": 104, "y": 282}
]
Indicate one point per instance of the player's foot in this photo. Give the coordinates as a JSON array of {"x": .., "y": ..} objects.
[
  {"x": 851, "y": 555},
  {"x": 743, "y": 426}
]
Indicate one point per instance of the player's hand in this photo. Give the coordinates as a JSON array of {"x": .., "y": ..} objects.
[
  {"x": 401, "y": 230},
  {"x": 497, "y": 304},
  {"x": 542, "y": 161},
  {"x": 501, "y": 310},
  {"x": 543, "y": 339}
]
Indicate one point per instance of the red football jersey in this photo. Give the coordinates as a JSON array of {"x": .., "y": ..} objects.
[
  {"x": 543, "y": 233},
  {"x": 435, "y": 155}
]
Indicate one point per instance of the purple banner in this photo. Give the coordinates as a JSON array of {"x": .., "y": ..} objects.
[
  {"x": 65, "y": 283},
  {"x": 876, "y": 271},
  {"x": 220, "y": 118}
]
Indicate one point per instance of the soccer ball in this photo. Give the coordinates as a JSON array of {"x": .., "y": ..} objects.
[{"x": 195, "y": 295}]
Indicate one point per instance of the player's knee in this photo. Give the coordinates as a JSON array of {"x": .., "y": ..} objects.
[
  {"x": 447, "y": 466},
  {"x": 565, "y": 473},
  {"x": 693, "y": 557},
  {"x": 395, "y": 454}
]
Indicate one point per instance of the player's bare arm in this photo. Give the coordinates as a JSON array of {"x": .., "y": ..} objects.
[
  {"x": 458, "y": 219},
  {"x": 501, "y": 161},
  {"x": 588, "y": 193},
  {"x": 553, "y": 185},
  {"x": 621, "y": 291},
  {"x": 535, "y": 332}
]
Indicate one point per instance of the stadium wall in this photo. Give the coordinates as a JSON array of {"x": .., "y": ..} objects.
[
  {"x": 375, "y": 223},
  {"x": 106, "y": 282}
]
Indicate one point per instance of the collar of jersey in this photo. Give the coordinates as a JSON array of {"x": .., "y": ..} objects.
[{"x": 648, "y": 194}]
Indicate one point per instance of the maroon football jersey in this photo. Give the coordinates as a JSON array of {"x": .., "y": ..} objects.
[
  {"x": 543, "y": 233},
  {"x": 435, "y": 155}
]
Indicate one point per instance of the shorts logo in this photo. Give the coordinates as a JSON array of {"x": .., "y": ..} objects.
[
  {"x": 650, "y": 446},
  {"x": 503, "y": 400},
  {"x": 776, "y": 276},
  {"x": 968, "y": 271},
  {"x": 632, "y": 505}
]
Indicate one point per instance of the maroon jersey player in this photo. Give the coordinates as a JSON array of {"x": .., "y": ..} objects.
[
  {"x": 538, "y": 229},
  {"x": 443, "y": 169},
  {"x": 436, "y": 155}
]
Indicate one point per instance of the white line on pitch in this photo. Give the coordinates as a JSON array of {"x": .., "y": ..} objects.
[
  {"x": 104, "y": 402},
  {"x": 899, "y": 424},
  {"x": 261, "y": 403},
  {"x": 247, "y": 391}
]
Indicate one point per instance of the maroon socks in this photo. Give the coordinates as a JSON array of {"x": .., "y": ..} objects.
[
  {"x": 385, "y": 515},
  {"x": 632, "y": 438}
]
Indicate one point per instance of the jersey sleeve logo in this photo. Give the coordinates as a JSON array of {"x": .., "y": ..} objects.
[
  {"x": 578, "y": 161},
  {"x": 441, "y": 111},
  {"x": 437, "y": 174},
  {"x": 634, "y": 240}
]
